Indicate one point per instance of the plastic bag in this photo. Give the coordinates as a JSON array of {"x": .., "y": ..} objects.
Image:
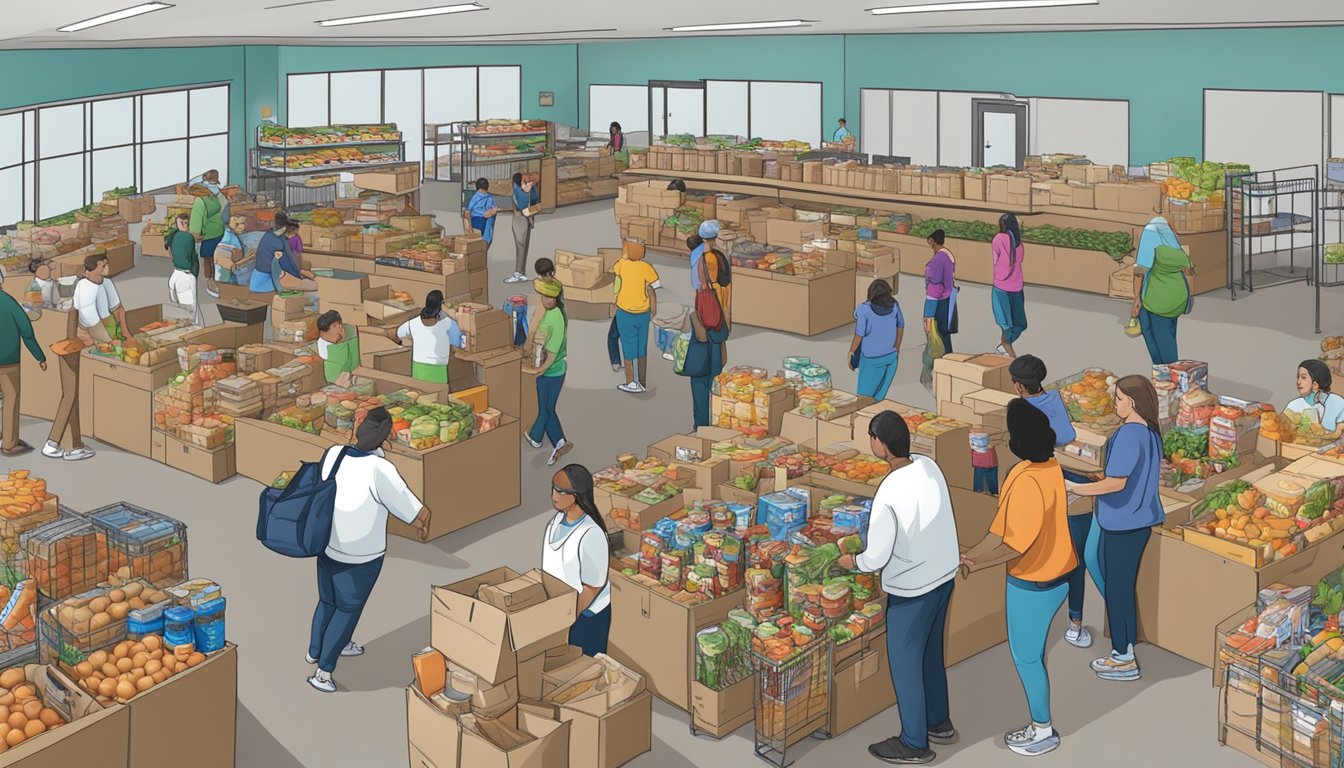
[{"x": 932, "y": 351}]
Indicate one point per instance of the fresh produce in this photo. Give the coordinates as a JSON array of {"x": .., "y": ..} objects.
[
  {"x": 24, "y": 715},
  {"x": 1334, "y": 253},
  {"x": 1185, "y": 444},
  {"x": 1202, "y": 181},
  {"x": 1088, "y": 398},
  {"x": 22, "y": 494},
  {"x": 506, "y": 126},
  {"x": 343, "y": 156},
  {"x": 1115, "y": 244},
  {"x": 723, "y": 653},
  {"x": 283, "y": 136},
  {"x": 131, "y": 668}
]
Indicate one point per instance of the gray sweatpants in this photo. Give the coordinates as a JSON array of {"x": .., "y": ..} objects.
[{"x": 522, "y": 238}]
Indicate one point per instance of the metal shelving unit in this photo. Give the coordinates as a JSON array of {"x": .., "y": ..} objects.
[
  {"x": 290, "y": 187},
  {"x": 1272, "y": 214},
  {"x": 498, "y": 167},
  {"x": 1331, "y": 268}
]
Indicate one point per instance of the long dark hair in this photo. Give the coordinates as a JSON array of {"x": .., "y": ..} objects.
[
  {"x": 1140, "y": 389},
  {"x": 373, "y": 430},
  {"x": 1008, "y": 224},
  {"x": 433, "y": 305},
  {"x": 581, "y": 481},
  {"x": 879, "y": 294},
  {"x": 1319, "y": 372}
]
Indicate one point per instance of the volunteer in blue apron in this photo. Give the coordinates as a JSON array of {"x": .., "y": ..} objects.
[{"x": 575, "y": 551}]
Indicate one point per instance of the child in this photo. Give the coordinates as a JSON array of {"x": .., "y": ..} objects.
[
  {"x": 636, "y": 303},
  {"x": 337, "y": 345},
  {"x": 985, "y": 463}
]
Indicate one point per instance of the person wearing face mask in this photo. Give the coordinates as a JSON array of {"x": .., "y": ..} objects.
[
  {"x": 1314, "y": 381},
  {"x": 207, "y": 225}
]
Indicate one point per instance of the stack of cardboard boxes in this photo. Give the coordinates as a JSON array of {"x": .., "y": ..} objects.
[
  {"x": 585, "y": 174},
  {"x": 500, "y": 687},
  {"x": 588, "y": 282},
  {"x": 876, "y": 261}
]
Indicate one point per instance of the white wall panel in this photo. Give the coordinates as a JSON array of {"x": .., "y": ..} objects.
[
  {"x": 783, "y": 111},
  {"x": 914, "y": 126},
  {"x": 1096, "y": 128},
  {"x": 624, "y": 104},
  {"x": 726, "y": 102}
]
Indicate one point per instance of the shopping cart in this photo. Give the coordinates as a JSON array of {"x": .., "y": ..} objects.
[{"x": 793, "y": 701}]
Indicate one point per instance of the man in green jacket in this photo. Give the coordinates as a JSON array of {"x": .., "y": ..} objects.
[
  {"x": 14, "y": 325},
  {"x": 186, "y": 265},
  {"x": 207, "y": 224}
]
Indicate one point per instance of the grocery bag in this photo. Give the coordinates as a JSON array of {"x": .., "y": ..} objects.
[{"x": 933, "y": 350}]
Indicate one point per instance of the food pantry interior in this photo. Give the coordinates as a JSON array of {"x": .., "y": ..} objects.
[{"x": 1145, "y": 198}]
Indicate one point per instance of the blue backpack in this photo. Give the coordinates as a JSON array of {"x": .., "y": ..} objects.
[{"x": 296, "y": 520}]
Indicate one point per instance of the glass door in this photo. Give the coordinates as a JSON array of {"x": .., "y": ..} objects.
[
  {"x": 998, "y": 133},
  {"x": 676, "y": 107}
]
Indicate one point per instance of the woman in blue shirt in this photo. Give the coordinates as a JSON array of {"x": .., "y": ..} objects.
[
  {"x": 482, "y": 211},
  {"x": 525, "y": 195},
  {"x": 278, "y": 268},
  {"x": 878, "y": 329},
  {"x": 1128, "y": 506}
]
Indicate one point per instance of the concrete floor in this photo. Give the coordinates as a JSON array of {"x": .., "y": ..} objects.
[{"x": 1252, "y": 347}]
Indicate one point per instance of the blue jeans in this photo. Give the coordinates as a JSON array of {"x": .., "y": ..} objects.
[
  {"x": 1031, "y": 607},
  {"x": 548, "y": 421},
  {"x": 876, "y": 375},
  {"x": 986, "y": 480},
  {"x": 916, "y": 627},
  {"x": 1080, "y": 530},
  {"x": 485, "y": 226},
  {"x": 342, "y": 591},
  {"x": 614, "y": 343},
  {"x": 634, "y": 331},
  {"x": 1121, "y": 553},
  {"x": 1010, "y": 312},
  {"x": 1159, "y": 333},
  {"x": 701, "y": 389},
  {"x": 1092, "y": 556},
  {"x": 590, "y": 631}
]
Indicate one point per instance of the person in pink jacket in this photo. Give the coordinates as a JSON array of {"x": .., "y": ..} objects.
[{"x": 1005, "y": 297}]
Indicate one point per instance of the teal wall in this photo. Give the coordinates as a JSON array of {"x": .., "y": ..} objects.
[
  {"x": 545, "y": 68},
  {"x": 35, "y": 77},
  {"x": 1163, "y": 73},
  {"x": 813, "y": 58}
]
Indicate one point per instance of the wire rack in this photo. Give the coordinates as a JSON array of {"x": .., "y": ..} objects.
[
  {"x": 793, "y": 701},
  {"x": 1274, "y": 227},
  {"x": 1300, "y": 727}
]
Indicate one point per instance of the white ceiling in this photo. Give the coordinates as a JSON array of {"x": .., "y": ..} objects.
[{"x": 30, "y": 24}]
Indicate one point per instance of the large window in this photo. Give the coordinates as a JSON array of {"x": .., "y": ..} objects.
[
  {"x": 408, "y": 97},
  {"x": 58, "y": 157}
]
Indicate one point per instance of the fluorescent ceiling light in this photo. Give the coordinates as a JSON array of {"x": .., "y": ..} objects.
[
  {"x": 742, "y": 25},
  {"x": 415, "y": 14},
  {"x": 978, "y": 5},
  {"x": 108, "y": 18}
]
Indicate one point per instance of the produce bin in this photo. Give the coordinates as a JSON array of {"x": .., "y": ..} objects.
[
  {"x": 792, "y": 701},
  {"x": 70, "y": 630},
  {"x": 152, "y": 545},
  {"x": 66, "y": 557},
  {"x": 13, "y": 528}
]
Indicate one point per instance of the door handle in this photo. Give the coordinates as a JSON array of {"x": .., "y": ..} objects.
[{"x": 988, "y": 146}]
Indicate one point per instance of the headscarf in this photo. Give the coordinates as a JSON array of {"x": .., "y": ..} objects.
[
  {"x": 1157, "y": 232},
  {"x": 709, "y": 229},
  {"x": 548, "y": 287}
]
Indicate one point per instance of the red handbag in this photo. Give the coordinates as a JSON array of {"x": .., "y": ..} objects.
[{"x": 707, "y": 306}]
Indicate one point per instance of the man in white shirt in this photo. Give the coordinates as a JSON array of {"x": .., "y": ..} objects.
[
  {"x": 96, "y": 316},
  {"x": 368, "y": 487},
  {"x": 912, "y": 540}
]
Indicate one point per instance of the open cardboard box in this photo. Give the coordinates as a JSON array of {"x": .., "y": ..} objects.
[
  {"x": 201, "y": 703},
  {"x": 489, "y": 641},
  {"x": 611, "y": 727},
  {"x": 549, "y": 746},
  {"x": 93, "y": 736},
  {"x": 719, "y": 713}
]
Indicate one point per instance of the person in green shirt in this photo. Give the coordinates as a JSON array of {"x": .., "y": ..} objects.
[
  {"x": 337, "y": 345},
  {"x": 207, "y": 224},
  {"x": 548, "y": 365},
  {"x": 14, "y": 326},
  {"x": 186, "y": 264}
]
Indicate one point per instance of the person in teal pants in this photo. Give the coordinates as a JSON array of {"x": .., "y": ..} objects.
[
  {"x": 1030, "y": 532},
  {"x": 875, "y": 352}
]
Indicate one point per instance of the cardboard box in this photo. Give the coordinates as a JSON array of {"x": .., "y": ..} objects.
[
  {"x": 612, "y": 738},
  {"x": 93, "y": 736},
  {"x": 213, "y": 465},
  {"x": 342, "y": 288},
  {"x": 285, "y": 307},
  {"x": 803, "y": 306},
  {"x": 549, "y": 748},
  {"x": 374, "y": 306},
  {"x": 683, "y": 450},
  {"x": 125, "y": 393},
  {"x": 434, "y": 736},
  {"x": 393, "y": 182},
  {"x": 951, "y": 450},
  {"x": 719, "y": 713},
  {"x": 861, "y": 686},
  {"x": 412, "y": 223},
  {"x": 489, "y": 641},
  {"x": 655, "y": 635},
  {"x": 201, "y": 703},
  {"x": 514, "y": 595},
  {"x": 532, "y": 671}
]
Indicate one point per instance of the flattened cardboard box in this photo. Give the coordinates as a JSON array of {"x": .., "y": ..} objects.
[
  {"x": 94, "y": 737},
  {"x": 489, "y": 641},
  {"x": 201, "y": 704}
]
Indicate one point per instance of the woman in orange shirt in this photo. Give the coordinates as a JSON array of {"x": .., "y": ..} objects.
[{"x": 1031, "y": 534}]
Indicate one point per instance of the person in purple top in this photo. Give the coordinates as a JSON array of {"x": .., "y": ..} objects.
[
  {"x": 940, "y": 288},
  {"x": 1006, "y": 296}
]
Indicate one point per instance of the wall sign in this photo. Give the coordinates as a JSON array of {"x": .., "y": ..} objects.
[{"x": 546, "y": 99}]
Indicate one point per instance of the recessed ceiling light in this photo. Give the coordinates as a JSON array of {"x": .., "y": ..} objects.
[
  {"x": 978, "y": 5},
  {"x": 415, "y": 14},
  {"x": 108, "y": 18},
  {"x": 741, "y": 25}
]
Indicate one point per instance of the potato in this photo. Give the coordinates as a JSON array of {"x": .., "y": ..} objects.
[
  {"x": 139, "y": 659},
  {"x": 98, "y": 658},
  {"x": 24, "y": 692},
  {"x": 119, "y": 611},
  {"x": 84, "y": 668},
  {"x": 137, "y": 648},
  {"x": 110, "y": 670},
  {"x": 99, "y": 604},
  {"x": 82, "y": 616},
  {"x": 160, "y": 676},
  {"x": 122, "y": 650},
  {"x": 133, "y": 589},
  {"x": 153, "y": 642},
  {"x": 91, "y": 683},
  {"x": 124, "y": 665},
  {"x": 170, "y": 664},
  {"x": 17, "y": 720},
  {"x": 136, "y": 674},
  {"x": 126, "y": 690},
  {"x": 195, "y": 658},
  {"x": 11, "y": 677},
  {"x": 34, "y": 728},
  {"x": 153, "y": 666},
  {"x": 144, "y": 684},
  {"x": 50, "y": 717},
  {"x": 117, "y": 596},
  {"x": 7, "y": 699},
  {"x": 156, "y": 654},
  {"x": 15, "y": 737},
  {"x": 32, "y": 709},
  {"x": 136, "y": 604}
]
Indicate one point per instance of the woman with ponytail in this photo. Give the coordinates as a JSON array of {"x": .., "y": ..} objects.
[
  {"x": 433, "y": 335},
  {"x": 1006, "y": 298},
  {"x": 549, "y": 343},
  {"x": 575, "y": 551},
  {"x": 1128, "y": 507}
]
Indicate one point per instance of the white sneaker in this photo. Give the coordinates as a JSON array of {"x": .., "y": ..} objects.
[
  {"x": 53, "y": 450},
  {"x": 669, "y": 356},
  {"x": 617, "y": 367},
  {"x": 1031, "y": 741},
  {"x": 1078, "y": 636},
  {"x": 309, "y": 658},
  {"x": 632, "y": 388},
  {"x": 516, "y": 278},
  {"x": 530, "y": 441},
  {"x": 353, "y": 649},
  {"x": 560, "y": 450},
  {"x": 77, "y": 454},
  {"x": 211, "y": 289},
  {"x": 322, "y": 681},
  {"x": 1000, "y": 350}
]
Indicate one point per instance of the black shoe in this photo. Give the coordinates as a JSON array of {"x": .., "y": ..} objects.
[
  {"x": 895, "y": 751},
  {"x": 943, "y": 733}
]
